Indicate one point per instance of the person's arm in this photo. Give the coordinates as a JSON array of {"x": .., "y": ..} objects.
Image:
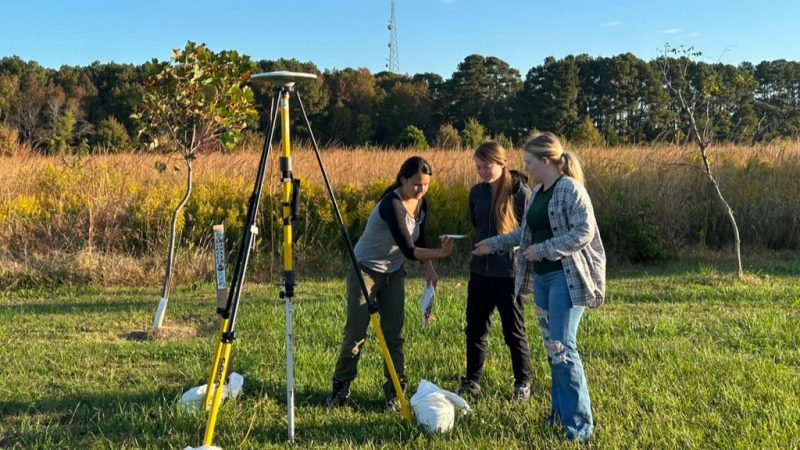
[
  {"x": 393, "y": 213},
  {"x": 506, "y": 241},
  {"x": 430, "y": 273},
  {"x": 498, "y": 243},
  {"x": 422, "y": 252}
]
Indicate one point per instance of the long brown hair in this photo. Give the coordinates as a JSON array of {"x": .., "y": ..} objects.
[
  {"x": 547, "y": 145},
  {"x": 502, "y": 201}
]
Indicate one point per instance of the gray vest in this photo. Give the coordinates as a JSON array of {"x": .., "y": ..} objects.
[{"x": 376, "y": 249}]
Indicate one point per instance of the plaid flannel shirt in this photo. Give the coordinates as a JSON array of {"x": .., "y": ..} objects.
[{"x": 576, "y": 242}]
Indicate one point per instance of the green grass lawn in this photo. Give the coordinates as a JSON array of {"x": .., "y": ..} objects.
[{"x": 679, "y": 357}]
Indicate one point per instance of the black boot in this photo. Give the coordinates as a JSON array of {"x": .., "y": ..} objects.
[
  {"x": 469, "y": 388},
  {"x": 339, "y": 394},
  {"x": 392, "y": 402}
]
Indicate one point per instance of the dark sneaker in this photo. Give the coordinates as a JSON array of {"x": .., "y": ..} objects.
[
  {"x": 470, "y": 388},
  {"x": 522, "y": 392},
  {"x": 392, "y": 402},
  {"x": 339, "y": 394}
]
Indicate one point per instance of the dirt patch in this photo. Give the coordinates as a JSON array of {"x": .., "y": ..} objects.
[{"x": 165, "y": 333}]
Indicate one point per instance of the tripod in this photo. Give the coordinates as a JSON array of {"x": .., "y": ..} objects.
[{"x": 279, "y": 105}]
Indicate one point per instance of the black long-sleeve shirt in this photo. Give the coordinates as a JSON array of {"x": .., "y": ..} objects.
[{"x": 482, "y": 218}]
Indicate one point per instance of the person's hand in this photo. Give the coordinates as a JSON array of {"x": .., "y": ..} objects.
[
  {"x": 481, "y": 249},
  {"x": 430, "y": 275},
  {"x": 530, "y": 254},
  {"x": 447, "y": 246}
]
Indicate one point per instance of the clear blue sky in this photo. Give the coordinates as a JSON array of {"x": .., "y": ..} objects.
[{"x": 433, "y": 35}]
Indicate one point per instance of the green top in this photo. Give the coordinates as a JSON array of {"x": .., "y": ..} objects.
[{"x": 539, "y": 222}]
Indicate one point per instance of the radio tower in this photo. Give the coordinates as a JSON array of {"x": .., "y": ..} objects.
[{"x": 394, "y": 62}]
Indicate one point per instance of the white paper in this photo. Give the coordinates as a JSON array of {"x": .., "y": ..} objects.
[
  {"x": 453, "y": 236},
  {"x": 426, "y": 304}
]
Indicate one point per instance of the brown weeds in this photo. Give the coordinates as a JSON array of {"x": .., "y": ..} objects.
[{"x": 103, "y": 219}]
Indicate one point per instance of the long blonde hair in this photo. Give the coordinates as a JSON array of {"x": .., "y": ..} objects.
[
  {"x": 502, "y": 199},
  {"x": 547, "y": 145}
]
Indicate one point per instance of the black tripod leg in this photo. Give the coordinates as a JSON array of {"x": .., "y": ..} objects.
[
  {"x": 228, "y": 334},
  {"x": 373, "y": 308}
]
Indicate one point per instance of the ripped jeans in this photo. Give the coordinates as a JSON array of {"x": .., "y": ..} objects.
[{"x": 558, "y": 321}]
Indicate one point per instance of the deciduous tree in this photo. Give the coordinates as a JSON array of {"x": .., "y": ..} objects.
[{"x": 199, "y": 98}]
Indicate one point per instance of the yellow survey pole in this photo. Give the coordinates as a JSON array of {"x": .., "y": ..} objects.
[
  {"x": 289, "y": 202},
  {"x": 284, "y": 85},
  {"x": 212, "y": 379},
  {"x": 222, "y": 368},
  {"x": 401, "y": 396}
]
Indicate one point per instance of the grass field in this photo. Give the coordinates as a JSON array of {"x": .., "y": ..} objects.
[{"x": 681, "y": 356}]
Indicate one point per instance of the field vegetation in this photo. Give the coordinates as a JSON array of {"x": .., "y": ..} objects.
[
  {"x": 681, "y": 356},
  {"x": 105, "y": 218}
]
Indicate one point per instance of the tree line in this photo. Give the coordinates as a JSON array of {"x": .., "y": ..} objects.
[{"x": 618, "y": 100}]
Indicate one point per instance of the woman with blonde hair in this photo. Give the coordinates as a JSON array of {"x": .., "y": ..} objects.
[
  {"x": 496, "y": 205},
  {"x": 563, "y": 264}
]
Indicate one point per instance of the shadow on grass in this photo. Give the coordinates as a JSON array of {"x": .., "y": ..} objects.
[
  {"x": 60, "y": 307},
  {"x": 315, "y": 398},
  {"x": 75, "y": 418}
]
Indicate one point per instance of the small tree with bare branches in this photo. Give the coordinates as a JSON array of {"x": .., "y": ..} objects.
[{"x": 697, "y": 99}]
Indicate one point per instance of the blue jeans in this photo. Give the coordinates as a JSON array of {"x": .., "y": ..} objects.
[{"x": 558, "y": 321}]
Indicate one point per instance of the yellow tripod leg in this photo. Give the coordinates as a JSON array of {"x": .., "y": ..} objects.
[
  {"x": 214, "y": 363},
  {"x": 401, "y": 396},
  {"x": 215, "y": 403}
]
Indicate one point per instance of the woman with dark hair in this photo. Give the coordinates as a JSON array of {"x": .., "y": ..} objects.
[{"x": 395, "y": 231}]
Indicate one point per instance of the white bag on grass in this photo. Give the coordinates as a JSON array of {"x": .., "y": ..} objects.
[
  {"x": 433, "y": 407},
  {"x": 193, "y": 398}
]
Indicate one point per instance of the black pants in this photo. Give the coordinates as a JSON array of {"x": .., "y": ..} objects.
[{"x": 484, "y": 294}]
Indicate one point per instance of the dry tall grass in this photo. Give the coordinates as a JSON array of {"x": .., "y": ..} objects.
[{"x": 69, "y": 216}]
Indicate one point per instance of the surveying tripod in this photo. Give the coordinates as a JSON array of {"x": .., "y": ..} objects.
[{"x": 283, "y": 85}]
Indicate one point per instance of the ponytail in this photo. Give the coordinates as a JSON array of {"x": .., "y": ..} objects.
[
  {"x": 572, "y": 167},
  {"x": 503, "y": 204}
]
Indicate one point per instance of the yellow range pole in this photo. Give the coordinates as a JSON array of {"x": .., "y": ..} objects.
[
  {"x": 222, "y": 368},
  {"x": 290, "y": 193},
  {"x": 228, "y": 310},
  {"x": 387, "y": 357},
  {"x": 212, "y": 379}
]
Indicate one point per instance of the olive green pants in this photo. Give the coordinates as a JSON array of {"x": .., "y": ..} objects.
[{"x": 388, "y": 290}]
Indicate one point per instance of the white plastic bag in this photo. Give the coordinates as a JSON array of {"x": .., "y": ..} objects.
[
  {"x": 433, "y": 407},
  {"x": 204, "y": 447},
  {"x": 426, "y": 304},
  {"x": 193, "y": 398}
]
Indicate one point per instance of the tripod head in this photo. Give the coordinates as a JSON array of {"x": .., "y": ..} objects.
[{"x": 283, "y": 77}]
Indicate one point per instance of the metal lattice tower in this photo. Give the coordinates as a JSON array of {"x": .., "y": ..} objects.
[{"x": 394, "y": 61}]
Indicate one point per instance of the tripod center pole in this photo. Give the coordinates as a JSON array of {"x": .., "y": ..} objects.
[
  {"x": 289, "y": 281},
  {"x": 288, "y": 187}
]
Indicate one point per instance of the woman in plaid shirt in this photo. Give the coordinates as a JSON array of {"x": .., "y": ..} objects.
[{"x": 563, "y": 263}]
